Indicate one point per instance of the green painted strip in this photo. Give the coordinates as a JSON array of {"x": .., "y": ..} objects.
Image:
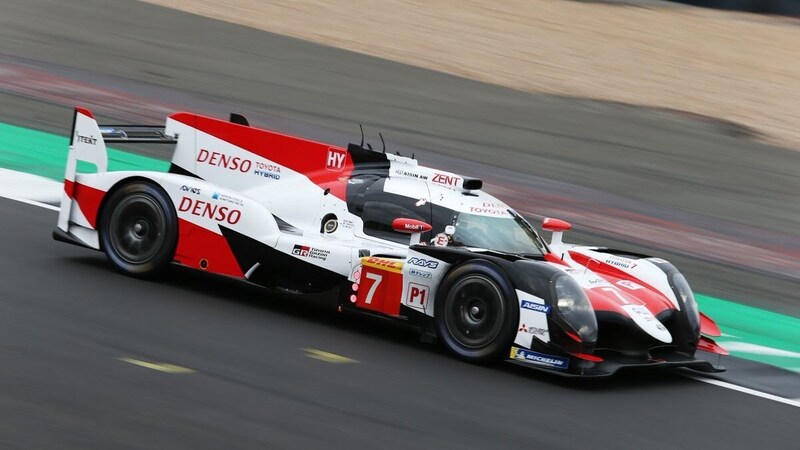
[
  {"x": 45, "y": 154},
  {"x": 750, "y": 332}
]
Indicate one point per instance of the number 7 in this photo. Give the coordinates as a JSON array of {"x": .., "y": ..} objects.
[{"x": 377, "y": 280}]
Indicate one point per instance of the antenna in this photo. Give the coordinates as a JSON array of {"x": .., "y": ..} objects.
[
  {"x": 384, "y": 142},
  {"x": 362, "y": 135}
]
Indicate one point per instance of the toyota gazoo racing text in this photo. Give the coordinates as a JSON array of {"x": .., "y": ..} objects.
[{"x": 385, "y": 236}]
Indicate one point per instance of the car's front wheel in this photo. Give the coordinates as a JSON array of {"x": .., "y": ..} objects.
[
  {"x": 139, "y": 229},
  {"x": 476, "y": 312}
]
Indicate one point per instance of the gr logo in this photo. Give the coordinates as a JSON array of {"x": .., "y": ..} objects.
[
  {"x": 301, "y": 250},
  {"x": 335, "y": 159}
]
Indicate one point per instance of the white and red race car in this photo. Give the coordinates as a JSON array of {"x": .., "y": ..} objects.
[{"x": 385, "y": 236}]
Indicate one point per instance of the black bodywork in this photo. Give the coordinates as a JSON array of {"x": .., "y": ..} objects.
[{"x": 620, "y": 342}]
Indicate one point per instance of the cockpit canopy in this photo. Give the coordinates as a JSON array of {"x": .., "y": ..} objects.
[{"x": 511, "y": 234}]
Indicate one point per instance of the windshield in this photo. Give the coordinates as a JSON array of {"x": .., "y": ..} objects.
[{"x": 505, "y": 234}]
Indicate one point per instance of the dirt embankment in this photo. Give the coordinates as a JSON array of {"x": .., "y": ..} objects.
[{"x": 734, "y": 66}]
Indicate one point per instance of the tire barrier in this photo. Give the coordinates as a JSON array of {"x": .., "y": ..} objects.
[{"x": 782, "y": 7}]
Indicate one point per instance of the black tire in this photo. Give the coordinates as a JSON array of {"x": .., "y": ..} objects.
[
  {"x": 139, "y": 229},
  {"x": 476, "y": 312}
]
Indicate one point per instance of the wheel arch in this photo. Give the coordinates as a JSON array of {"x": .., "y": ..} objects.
[
  {"x": 117, "y": 186},
  {"x": 478, "y": 261}
]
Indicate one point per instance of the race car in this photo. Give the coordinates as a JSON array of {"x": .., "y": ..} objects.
[{"x": 385, "y": 236}]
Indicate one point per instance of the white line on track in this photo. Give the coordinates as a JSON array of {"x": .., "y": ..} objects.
[
  {"x": 746, "y": 347},
  {"x": 31, "y": 189},
  {"x": 734, "y": 387},
  {"x": 31, "y": 202},
  {"x": 723, "y": 384}
]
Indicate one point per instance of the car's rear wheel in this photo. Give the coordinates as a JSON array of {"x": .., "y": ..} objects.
[
  {"x": 139, "y": 229},
  {"x": 476, "y": 313}
]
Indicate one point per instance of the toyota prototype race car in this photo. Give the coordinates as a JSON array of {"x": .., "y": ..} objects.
[{"x": 386, "y": 236}]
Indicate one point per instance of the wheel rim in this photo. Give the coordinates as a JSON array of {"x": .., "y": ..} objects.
[
  {"x": 136, "y": 228},
  {"x": 474, "y": 311}
]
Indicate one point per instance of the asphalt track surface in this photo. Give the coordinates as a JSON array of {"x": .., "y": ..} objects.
[{"x": 66, "y": 318}]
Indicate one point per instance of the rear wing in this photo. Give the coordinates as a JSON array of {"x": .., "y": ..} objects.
[
  {"x": 136, "y": 134},
  {"x": 88, "y": 140},
  {"x": 88, "y": 143}
]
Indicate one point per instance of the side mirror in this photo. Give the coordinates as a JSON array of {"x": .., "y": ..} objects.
[
  {"x": 558, "y": 227},
  {"x": 472, "y": 184},
  {"x": 411, "y": 226}
]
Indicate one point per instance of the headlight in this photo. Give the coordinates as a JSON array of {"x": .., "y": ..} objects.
[
  {"x": 682, "y": 290},
  {"x": 574, "y": 307}
]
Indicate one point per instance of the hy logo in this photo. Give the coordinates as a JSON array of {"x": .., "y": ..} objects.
[{"x": 335, "y": 159}]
